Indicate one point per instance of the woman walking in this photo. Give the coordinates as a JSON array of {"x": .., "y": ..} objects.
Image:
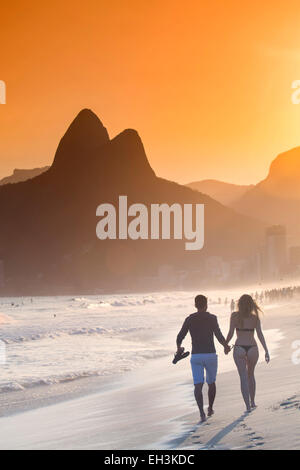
[{"x": 246, "y": 321}]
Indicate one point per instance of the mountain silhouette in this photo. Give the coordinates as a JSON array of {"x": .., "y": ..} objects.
[
  {"x": 48, "y": 237},
  {"x": 276, "y": 199},
  {"x": 84, "y": 137},
  {"x": 226, "y": 193},
  {"x": 23, "y": 175}
]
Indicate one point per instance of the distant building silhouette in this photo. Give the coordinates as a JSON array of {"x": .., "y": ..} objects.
[
  {"x": 276, "y": 250},
  {"x": 294, "y": 257}
]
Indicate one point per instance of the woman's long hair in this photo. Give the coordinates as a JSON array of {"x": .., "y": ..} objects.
[{"x": 247, "y": 307}]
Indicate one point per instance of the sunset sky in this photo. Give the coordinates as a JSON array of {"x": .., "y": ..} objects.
[{"x": 207, "y": 84}]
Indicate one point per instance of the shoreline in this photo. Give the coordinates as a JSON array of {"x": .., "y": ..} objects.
[
  {"x": 247, "y": 284},
  {"x": 41, "y": 396},
  {"x": 156, "y": 403}
]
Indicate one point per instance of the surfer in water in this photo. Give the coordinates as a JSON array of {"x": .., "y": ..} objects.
[{"x": 202, "y": 326}]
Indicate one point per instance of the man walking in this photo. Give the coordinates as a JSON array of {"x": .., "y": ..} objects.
[{"x": 203, "y": 327}]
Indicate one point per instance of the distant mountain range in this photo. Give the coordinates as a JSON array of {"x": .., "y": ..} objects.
[
  {"x": 48, "y": 223},
  {"x": 23, "y": 175},
  {"x": 275, "y": 200},
  {"x": 279, "y": 190},
  {"x": 226, "y": 193}
]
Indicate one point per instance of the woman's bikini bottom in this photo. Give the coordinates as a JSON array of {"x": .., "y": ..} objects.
[{"x": 246, "y": 348}]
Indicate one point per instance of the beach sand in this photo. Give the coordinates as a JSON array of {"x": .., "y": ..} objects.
[{"x": 153, "y": 407}]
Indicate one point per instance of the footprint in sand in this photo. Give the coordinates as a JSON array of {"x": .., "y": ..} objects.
[
  {"x": 257, "y": 440},
  {"x": 291, "y": 402},
  {"x": 253, "y": 438},
  {"x": 288, "y": 403}
]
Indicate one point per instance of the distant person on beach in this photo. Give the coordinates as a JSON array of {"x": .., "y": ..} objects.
[
  {"x": 232, "y": 305},
  {"x": 245, "y": 321},
  {"x": 203, "y": 327}
]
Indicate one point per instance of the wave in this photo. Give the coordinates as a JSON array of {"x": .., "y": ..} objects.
[
  {"x": 33, "y": 382},
  {"x": 48, "y": 381},
  {"x": 71, "y": 332},
  {"x": 119, "y": 302}
]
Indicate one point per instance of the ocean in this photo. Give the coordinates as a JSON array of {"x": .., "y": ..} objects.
[{"x": 48, "y": 340}]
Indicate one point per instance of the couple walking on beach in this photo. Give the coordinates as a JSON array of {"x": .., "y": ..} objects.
[{"x": 203, "y": 326}]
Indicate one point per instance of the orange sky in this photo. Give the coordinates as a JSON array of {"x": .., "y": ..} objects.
[{"x": 207, "y": 84}]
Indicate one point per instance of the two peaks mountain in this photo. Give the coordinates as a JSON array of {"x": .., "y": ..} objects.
[
  {"x": 86, "y": 147},
  {"x": 58, "y": 250}
]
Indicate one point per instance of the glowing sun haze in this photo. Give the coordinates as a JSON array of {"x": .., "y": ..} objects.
[{"x": 207, "y": 84}]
